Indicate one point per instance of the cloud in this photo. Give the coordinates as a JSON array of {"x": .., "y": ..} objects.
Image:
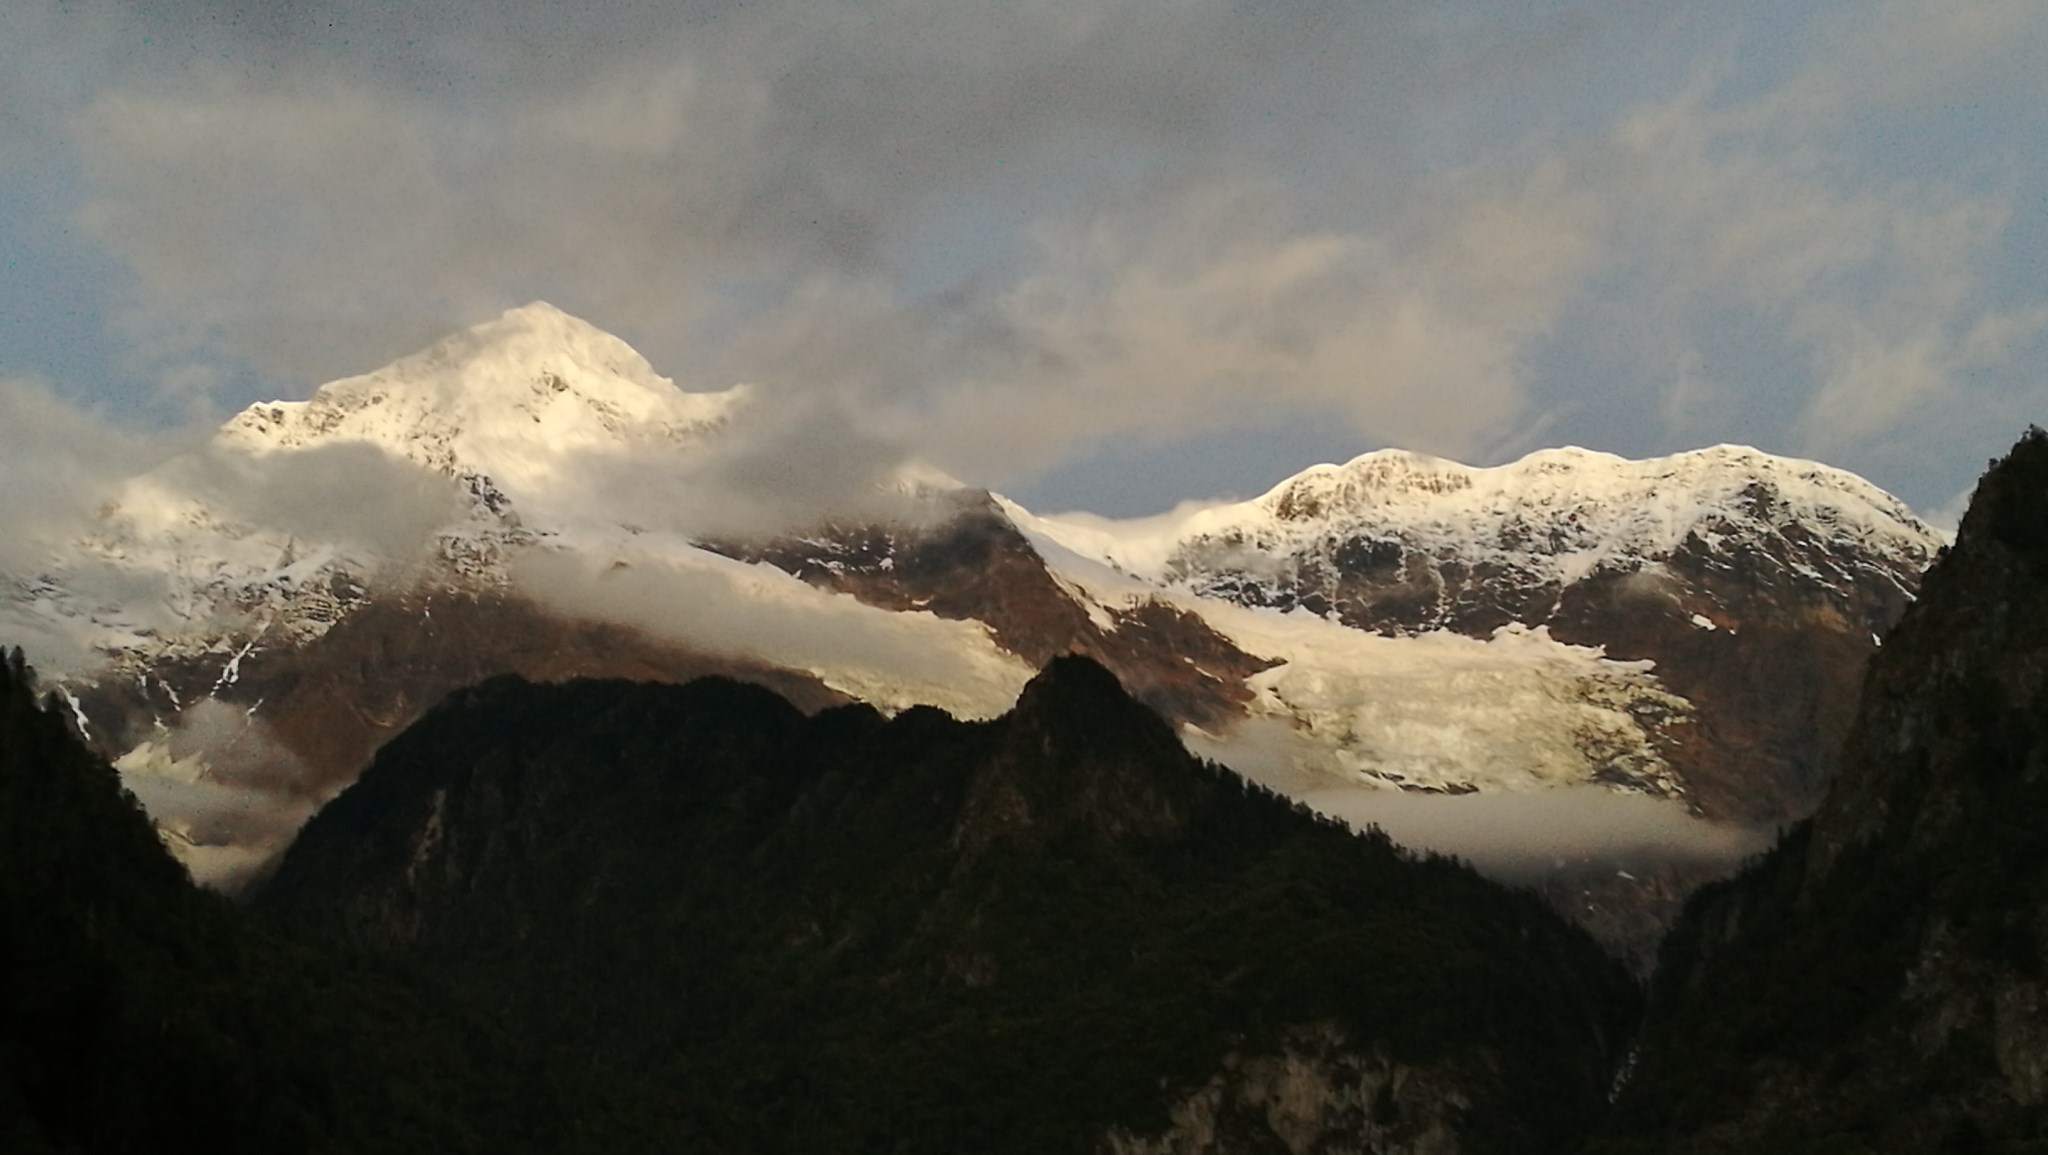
[
  {"x": 782, "y": 463},
  {"x": 1519, "y": 836},
  {"x": 1899, "y": 55},
  {"x": 1524, "y": 837},
  {"x": 764, "y": 193},
  {"x": 114, "y": 520},
  {"x": 228, "y": 797},
  {"x": 1222, "y": 311},
  {"x": 713, "y": 605},
  {"x": 351, "y": 495},
  {"x": 1783, "y": 272},
  {"x": 323, "y": 187},
  {"x": 59, "y": 466},
  {"x": 1009, "y": 238}
]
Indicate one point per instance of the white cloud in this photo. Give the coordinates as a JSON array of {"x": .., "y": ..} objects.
[
  {"x": 713, "y": 605},
  {"x": 1901, "y": 55},
  {"x": 1165, "y": 319},
  {"x": 1756, "y": 228},
  {"x": 1005, "y": 238},
  {"x": 59, "y": 465},
  {"x": 228, "y": 796},
  {"x": 1519, "y": 835}
]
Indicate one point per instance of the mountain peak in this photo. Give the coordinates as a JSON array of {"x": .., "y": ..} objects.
[
  {"x": 541, "y": 330},
  {"x": 1073, "y": 682},
  {"x": 1081, "y": 737},
  {"x": 1561, "y": 513},
  {"x": 2007, "y": 506},
  {"x": 541, "y": 310},
  {"x": 508, "y": 398}
]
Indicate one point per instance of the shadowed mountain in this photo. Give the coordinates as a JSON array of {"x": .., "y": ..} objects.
[
  {"x": 1876, "y": 984},
  {"x": 733, "y": 927},
  {"x": 138, "y": 1012}
]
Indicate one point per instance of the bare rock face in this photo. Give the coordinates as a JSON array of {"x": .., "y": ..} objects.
[
  {"x": 1314, "y": 1096},
  {"x": 1877, "y": 982},
  {"x": 1774, "y": 680}
]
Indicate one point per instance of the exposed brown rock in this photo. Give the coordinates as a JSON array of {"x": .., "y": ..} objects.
[{"x": 975, "y": 564}]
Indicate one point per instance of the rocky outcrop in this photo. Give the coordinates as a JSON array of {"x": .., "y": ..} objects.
[
  {"x": 1314, "y": 1096},
  {"x": 971, "y": 562}
]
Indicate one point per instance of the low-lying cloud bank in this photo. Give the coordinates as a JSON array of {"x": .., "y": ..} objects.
[
  {"x": 714, "y": 605},
  {"x": 1513, "y": 835},
  {"x": 227, "y": 796}
]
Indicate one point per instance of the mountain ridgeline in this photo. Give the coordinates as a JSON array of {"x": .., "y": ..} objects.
[
  {"x": 603, "y": 915},
  {"x": 732, "y": 927},
  {"x": 531, "y": 497},
  {"x": 607, "y": 916},
  {"x": 1879, "y": 983}
]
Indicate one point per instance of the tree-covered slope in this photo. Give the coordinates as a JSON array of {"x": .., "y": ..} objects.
[{"x": 734, "y": 928}]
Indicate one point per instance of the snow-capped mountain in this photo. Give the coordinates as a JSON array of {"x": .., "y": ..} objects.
[
  {"x": 1757, "y": 585},
  {"x": 245, "y": 624},
  {"x": 1464, "y": 546},
  {"x": 518, "y": 401}
]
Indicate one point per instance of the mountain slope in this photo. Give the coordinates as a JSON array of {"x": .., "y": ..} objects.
[
  {"x": 1875, "y": 984},
  {"x": 1055, "y": 931},
  {"x": 1758, "y": 585},
  {"x": 138, "y": 1012}
]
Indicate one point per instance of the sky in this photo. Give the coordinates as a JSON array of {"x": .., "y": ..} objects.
[{"x": 1097, "y": 254}]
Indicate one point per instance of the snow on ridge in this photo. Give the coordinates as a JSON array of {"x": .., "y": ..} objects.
[{"x": 1561, "y": 512}]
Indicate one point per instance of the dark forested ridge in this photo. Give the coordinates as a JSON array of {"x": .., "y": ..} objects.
[
  {"x": 734, "y": 928},
  {"x": 1879, "y": 983},
  {"x": 611, "y": 916}
]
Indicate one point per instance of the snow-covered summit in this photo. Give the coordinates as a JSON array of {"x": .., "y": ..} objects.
[
  {"x": 1557, "y": 514},
  {"x": 509, "y": 399},
  {"x": 432, "y": 467}
]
